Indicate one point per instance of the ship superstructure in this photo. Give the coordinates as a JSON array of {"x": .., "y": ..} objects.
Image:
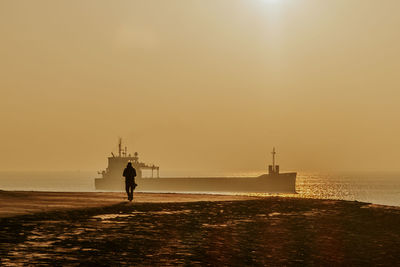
[
  {"x": 272, "y": 182},
  {"x": 112, "y": 175}
]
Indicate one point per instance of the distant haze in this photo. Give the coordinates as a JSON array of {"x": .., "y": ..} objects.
[{"x": 200, "y": 84}]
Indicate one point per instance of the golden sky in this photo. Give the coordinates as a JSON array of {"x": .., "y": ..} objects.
[{"x": 200, "y": 84}]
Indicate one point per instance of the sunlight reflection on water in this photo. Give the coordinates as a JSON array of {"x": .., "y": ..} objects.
[{"x": 376, "y": 188}]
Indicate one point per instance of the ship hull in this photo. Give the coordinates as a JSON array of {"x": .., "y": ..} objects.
[{"x": 267, "y": 183}]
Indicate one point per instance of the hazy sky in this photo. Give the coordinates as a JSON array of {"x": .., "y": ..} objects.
[{"x": 204, "y": 84}]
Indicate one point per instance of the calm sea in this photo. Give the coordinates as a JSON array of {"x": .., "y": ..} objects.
[{"x": 374, "y": 187}]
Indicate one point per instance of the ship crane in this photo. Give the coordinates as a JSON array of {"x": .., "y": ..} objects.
[
  {"x": 273, "y": 169},
  {"x": 273, "y": 157},
  {"x": 153, "y": 167}
]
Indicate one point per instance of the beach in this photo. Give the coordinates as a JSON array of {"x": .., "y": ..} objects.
[{"x": 211, "y": 230}]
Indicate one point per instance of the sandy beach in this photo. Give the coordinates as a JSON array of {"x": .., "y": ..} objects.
[{"x": 179, "y": 229}]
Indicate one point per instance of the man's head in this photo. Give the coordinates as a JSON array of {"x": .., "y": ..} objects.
[{"x": 129, "y": 164}]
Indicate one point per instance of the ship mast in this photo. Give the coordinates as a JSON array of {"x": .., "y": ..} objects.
[
  {"x": 273, "y": 158},
  {"x": 119, "y": 147}
]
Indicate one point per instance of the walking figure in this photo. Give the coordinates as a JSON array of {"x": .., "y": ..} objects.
[{"x": 129, "y": 174}]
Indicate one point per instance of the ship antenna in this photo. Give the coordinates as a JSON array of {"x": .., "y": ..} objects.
[
  {"x": 119, "y": 146},
  {"x": 273, "y": 158}
]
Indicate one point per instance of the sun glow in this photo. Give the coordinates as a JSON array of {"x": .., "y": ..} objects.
[{"x": 272, "y": 1}]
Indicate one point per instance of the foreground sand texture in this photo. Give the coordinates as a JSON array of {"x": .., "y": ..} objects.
[{"x": 269, "y": 231}]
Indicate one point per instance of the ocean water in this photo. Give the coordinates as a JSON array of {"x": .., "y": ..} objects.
[
  {"x": 374, "y": 187},
  {"x": 68, "y": 181}
]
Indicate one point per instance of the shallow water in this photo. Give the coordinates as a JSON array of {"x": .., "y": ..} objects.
[{"x": 375, "y": 187}]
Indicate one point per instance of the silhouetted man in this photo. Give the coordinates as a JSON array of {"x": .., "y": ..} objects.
[{"x": 129, "y": 174}]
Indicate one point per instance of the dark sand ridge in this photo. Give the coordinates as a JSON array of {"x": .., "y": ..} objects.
[
  {"x": 270, "y": 231},
  {"x": 14, "y": 203}
]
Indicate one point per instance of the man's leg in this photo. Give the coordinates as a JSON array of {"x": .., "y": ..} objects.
[
  {"x": 131, "y": 191},
  {"x": 127, "y": 189}
]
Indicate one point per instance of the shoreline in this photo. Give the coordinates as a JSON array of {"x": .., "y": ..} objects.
[{"x": 17, "y": 203}]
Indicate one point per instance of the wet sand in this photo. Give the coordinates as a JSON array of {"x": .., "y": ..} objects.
[
  {"x": 257, "y": 232},
  {"x": 27, "y": 202}
]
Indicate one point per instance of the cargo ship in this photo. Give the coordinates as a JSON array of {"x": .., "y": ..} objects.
[{"x": 272, "y": 182}]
